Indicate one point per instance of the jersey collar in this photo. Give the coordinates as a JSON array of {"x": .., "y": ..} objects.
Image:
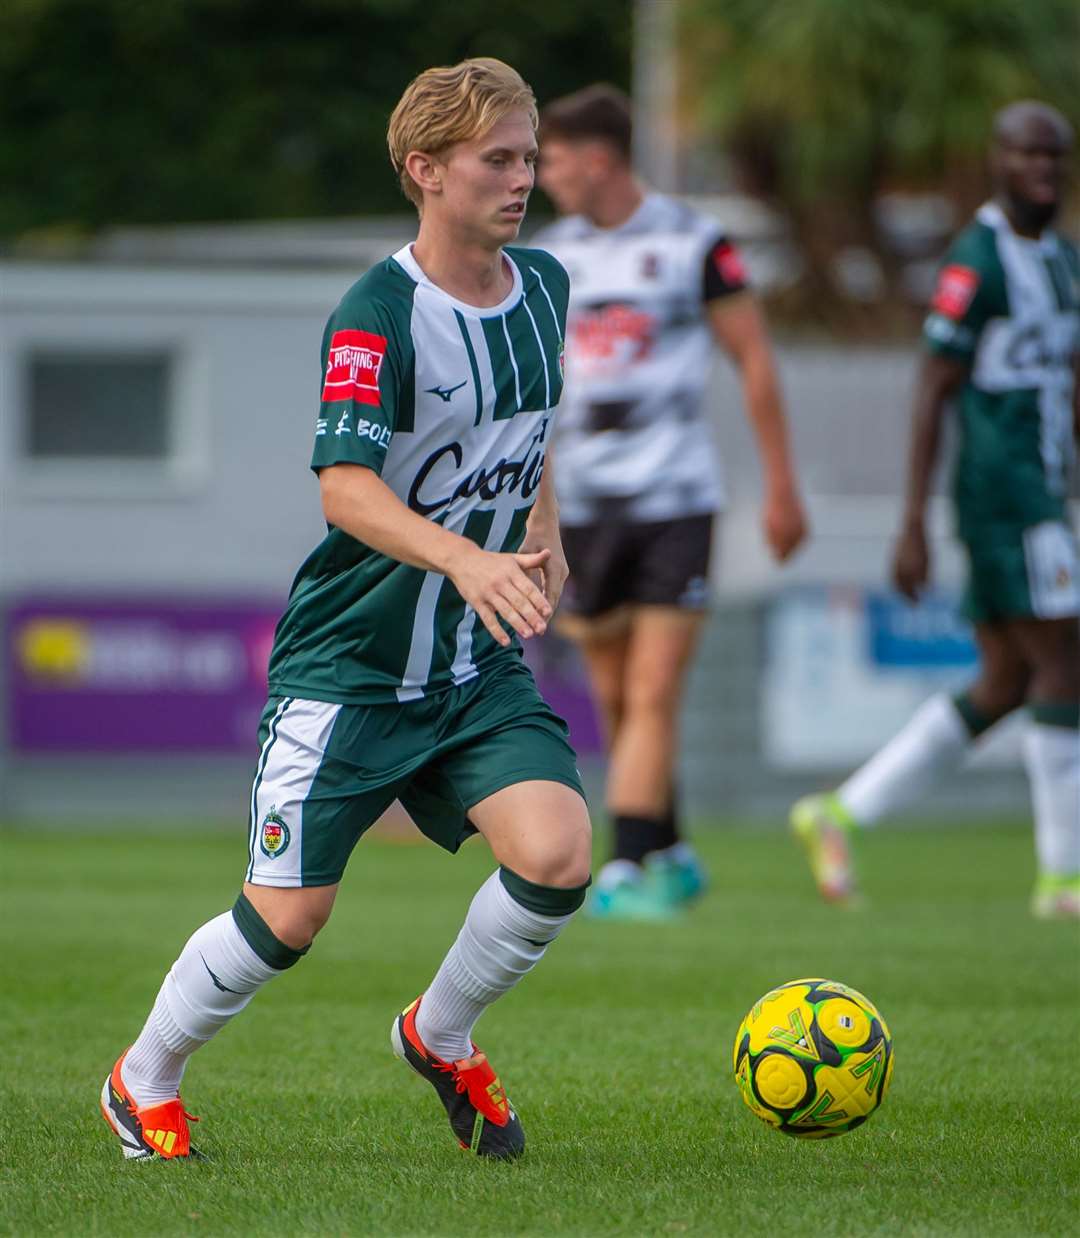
[
  {"x": 404, "y": 258},
  {"x": 994, "y": 217}
]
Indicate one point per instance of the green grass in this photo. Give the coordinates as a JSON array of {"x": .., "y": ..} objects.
[{"x": 617, "y": 1052}]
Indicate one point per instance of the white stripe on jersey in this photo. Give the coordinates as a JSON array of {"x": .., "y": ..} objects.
[
  {"x": 547, "y": 297},
  {"x": 422, "y": 645}
]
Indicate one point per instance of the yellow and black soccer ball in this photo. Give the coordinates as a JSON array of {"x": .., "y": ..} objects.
[{"x": 813, "y": 1058}]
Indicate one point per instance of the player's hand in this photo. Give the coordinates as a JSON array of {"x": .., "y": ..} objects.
[
  {"x": 498, "y": 586},
  {"x": 552, "y": 577},
  {"x": 911, "y": 562},
  {"x": 784, "y": 522}
]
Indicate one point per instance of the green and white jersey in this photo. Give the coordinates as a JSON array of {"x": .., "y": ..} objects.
[
  {"x": 452, "y": 406},
  {"x": 1010, "y": 306}
]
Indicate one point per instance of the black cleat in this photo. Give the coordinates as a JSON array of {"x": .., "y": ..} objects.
[{"x": 476, "y": 1103}]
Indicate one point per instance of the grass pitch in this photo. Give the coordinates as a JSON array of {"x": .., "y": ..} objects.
[{"x": 617, "y": 1052}]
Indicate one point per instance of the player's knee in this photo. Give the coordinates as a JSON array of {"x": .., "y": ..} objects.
[
  {"x": 292, "y": 916},
  {"x": 656, "y": 697},
  {"x": 998, "y": 694},
  {"x": 562, "y": 859}
]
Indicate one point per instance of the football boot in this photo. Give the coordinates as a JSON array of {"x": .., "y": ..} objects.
[
  {"x": 820, "y": 823},
  {"x": 676, "y": 875},
  {"x": 480, "y": 1113},
  {"x": 1056, "y": 898},
  {"x": 154, "y": 1130}
]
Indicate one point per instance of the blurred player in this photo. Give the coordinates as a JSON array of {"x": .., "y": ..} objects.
[
  {"x": 654, "y": 284},
  {"x": 1002, "y": 343},
  {"x": 396, "y": 672}
]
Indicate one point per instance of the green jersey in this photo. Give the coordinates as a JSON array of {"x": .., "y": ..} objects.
[
  {"x": 452, "y": 406},
  {"x": 1011, "y": 307}
]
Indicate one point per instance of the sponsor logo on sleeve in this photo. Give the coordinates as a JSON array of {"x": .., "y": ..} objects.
[
  {"x": 728, "y": 261},
  {"x": 956, "y": 287},
  {"x": 352, "y": 367}
]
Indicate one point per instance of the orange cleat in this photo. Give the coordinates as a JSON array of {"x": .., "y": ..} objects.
[{"x": 158, "y": 1130}]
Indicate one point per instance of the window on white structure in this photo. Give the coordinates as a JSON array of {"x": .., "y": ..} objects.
[{"x": 98, "y": 407}]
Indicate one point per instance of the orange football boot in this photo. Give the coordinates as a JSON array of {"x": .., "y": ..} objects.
[{"x": 158, "y": 1130}]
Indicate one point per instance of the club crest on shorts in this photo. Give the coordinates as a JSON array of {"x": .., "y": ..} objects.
[{"x": 273, "y": 835}]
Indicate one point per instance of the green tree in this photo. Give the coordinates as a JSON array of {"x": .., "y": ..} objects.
[
  {"x": 145, "y": 111},
  {"x": 824, "y": 104}
]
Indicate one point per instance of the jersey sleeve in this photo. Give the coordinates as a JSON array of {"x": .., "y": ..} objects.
[
  {"x": 963, "y": 301},
  {"x": 724, "y": 271},
  {"x": 363, "y": 371}
]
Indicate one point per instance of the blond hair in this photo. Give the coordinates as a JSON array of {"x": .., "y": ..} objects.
[{"x": 451, "y": 104}]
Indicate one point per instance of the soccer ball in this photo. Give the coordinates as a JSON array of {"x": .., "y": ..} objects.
[{"x": 813, "y": 1058}]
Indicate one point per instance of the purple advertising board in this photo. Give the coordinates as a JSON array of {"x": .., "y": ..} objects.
[{"x": 175, "y": 675}]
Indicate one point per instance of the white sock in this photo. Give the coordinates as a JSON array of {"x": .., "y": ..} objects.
[
  {"x": 933, "y": 742},
  {"x": 191, "y": 1007},
  {"x": 499, "y": 942},
  {"x": 1052, "y": 758}
]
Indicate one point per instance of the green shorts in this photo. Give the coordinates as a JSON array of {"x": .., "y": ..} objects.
[
  {"x": 327, "y": 772},
  {"x": 1020, "y": 573}
]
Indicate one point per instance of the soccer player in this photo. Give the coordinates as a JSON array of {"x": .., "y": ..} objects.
[
  {"x": 655, "y": 284},
  {"x": 1002, "y": 342},
  {"x": 396, "y": 668}
]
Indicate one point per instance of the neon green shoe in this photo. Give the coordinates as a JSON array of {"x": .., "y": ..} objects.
[
  {"x": 1056, "y": 898},
  {"x": 824, "y": 828}
]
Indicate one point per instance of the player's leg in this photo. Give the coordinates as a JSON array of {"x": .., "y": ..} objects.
[
  {"x": 641, "y": 774},
  {"x": 228, "y": 959},
  {"x": 522, "y": 792},
  {"x": 933, "y": 742},
  {"x": 667, "y": 581},
  {"x": 596, "y": 615},
  {"x": 1052, "y": 758},
  {"x": 603, "y": 642}
]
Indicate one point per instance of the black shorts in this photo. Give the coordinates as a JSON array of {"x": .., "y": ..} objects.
[{"x": 653, "y": 563}]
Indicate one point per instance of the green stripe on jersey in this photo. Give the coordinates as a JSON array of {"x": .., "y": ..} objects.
[
  {"x": 477, "y": 389},
  {"x": 504, "y": 369}
]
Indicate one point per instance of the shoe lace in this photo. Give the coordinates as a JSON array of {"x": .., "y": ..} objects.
[
  {"x": 449, "y": 1068},
  {"x": 133, "y": 1110},
  {"x": 461, "y": 1084}
]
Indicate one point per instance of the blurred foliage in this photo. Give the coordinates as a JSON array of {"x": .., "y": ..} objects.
[
  {"x": 115, "y": 111},
  {"x": 825, "y": 104}
]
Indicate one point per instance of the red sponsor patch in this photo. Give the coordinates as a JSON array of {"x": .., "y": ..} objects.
[
  {"x": 728, "y": 261},
  {"x": 956, "y": 287},
  {"x": 352, "y": 367},
  {"x": 614, "y": 332}
]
